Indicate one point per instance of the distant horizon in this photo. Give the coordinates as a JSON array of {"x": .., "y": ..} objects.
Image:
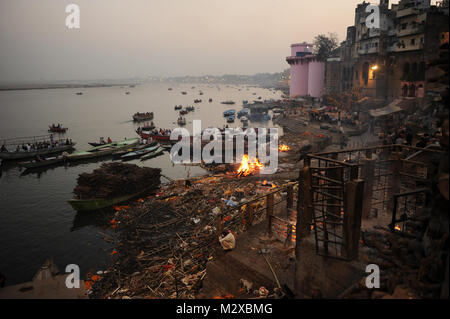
[{"x": 150, "y": 77}]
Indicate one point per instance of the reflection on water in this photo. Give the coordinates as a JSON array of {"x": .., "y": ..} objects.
[{"x": 36, "y": 222}]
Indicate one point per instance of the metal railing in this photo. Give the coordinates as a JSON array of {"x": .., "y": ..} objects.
[{"x": 340, "y": 188}]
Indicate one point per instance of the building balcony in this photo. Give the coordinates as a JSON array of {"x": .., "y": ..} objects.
[
  {"x": 407, "y": 12},
  {"x": 368, "y": 51},
  {"x": 411, "y": 30},
  {"x": 408, "y": 47}
]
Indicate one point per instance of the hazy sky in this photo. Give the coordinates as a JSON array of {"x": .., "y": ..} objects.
[{"x": 126, "y": 38}]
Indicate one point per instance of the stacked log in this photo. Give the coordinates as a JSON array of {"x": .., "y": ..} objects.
[{"x": 115, "y": 180}]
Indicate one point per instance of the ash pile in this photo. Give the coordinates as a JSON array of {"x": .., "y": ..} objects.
[{"x": 116, "y": 179}]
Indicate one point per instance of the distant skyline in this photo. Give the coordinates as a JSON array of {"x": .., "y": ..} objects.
[{"x": 141, "y": 38}]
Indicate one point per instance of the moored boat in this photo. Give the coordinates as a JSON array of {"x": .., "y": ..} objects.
[
  {"x": 43, "y": 162},
  {"x": 24, "y": 155},
  {"x": 229, "y": 113},
  {"x": 152, "y": 154},
  {"x": 230, "y": 119},
  {"x": 103, "y": 150},
  {"x": 138, "y": 153},
  {"x": 181, "y": 121},
  {"x": 99, "y": 203}
]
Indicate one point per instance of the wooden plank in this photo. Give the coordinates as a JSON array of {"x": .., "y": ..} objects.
[{"x": 352, "y": 218}]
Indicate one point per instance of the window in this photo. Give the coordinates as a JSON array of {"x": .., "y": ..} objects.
[
  {"x": 413, "y": 41},
  {"x": 404, "y": 26}
]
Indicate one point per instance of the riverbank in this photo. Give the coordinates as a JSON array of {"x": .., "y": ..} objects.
[{"x": 57, "y": 86}]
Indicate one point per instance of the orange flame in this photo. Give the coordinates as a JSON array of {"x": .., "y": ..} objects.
[
  {"x": 248, "y": 167},
  {"x": 397, "y": 227},
  {"x": 283, "y": 148}
]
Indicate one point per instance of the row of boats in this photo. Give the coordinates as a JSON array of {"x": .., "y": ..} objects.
[{"x": 126, "y": 149}]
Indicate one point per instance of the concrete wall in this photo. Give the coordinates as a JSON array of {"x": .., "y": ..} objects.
[
  {"x": 299, "y": 79},
  {"x": 316, "y": 79}
]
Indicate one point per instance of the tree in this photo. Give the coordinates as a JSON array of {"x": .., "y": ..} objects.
[{"x": 324, "y": 45}]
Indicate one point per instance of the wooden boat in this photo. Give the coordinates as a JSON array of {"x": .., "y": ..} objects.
[
  {"x": 181, "y": 121},
  {"x": 228, "y": 102},
  {"x": 44, "y": 162},
  {"x": 178, "y": 107},
  {"x": 122, "y": 152},
  {"x": 184, "y": 93},
  {"x": 24, "y": 155},
  {"x": 139, "y": 153},
  {"x": 229, "y": 113},
  {"x": 99, "y": 203},
  {"x": 184, "y": 112},
  {"x": 155, "y": 153},
  {"x": 56, "y": 129},
  {"x": 157, "y": 137},
  {"x": 142, "y": 116},
  {"x": 103, "y": 150},
  {"x": 197, "y": 101},
  {"x": 93, "y": 144},
  {"x": 210, "y": 100}
]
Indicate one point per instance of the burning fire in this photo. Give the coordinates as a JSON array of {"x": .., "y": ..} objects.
[
  {"x": 283, "y": 148},
  {"x": 397, "y": 227},
  {"x": 248, "y": 167}
]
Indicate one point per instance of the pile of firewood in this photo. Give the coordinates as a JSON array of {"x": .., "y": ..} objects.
[{"x": 117, "y": 179}]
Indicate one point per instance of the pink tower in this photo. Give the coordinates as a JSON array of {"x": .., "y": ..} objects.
[{"x": 307, "y": 74}]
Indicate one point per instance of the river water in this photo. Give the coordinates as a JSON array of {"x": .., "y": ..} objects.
[{"x": 36, "y": 222}]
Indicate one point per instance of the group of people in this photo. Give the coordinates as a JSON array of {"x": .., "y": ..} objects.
[
  {"x": 108, "y": 141},
  {"x": 347, "y": 119},
  {"x": 161, "y": 131},
  {"x": 29, "y": 147},
  {"x": 405, "y": 136}
]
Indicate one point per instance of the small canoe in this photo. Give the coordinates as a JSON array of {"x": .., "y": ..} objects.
[
  {"x": 45, "y": 162},
  {"x": 138, "y": 153},
  {"x": 155, "y": 153},
  {"x": 143, "y": 116},
  {"x": 99, "y": 203}
]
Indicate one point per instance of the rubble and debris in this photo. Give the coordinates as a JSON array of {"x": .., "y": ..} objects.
[{"x": 163, "y": 243}]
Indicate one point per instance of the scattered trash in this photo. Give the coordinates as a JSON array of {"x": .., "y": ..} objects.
[
  {"x": 246, "y": 284},
  {"x": 228, "y": 241}
]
